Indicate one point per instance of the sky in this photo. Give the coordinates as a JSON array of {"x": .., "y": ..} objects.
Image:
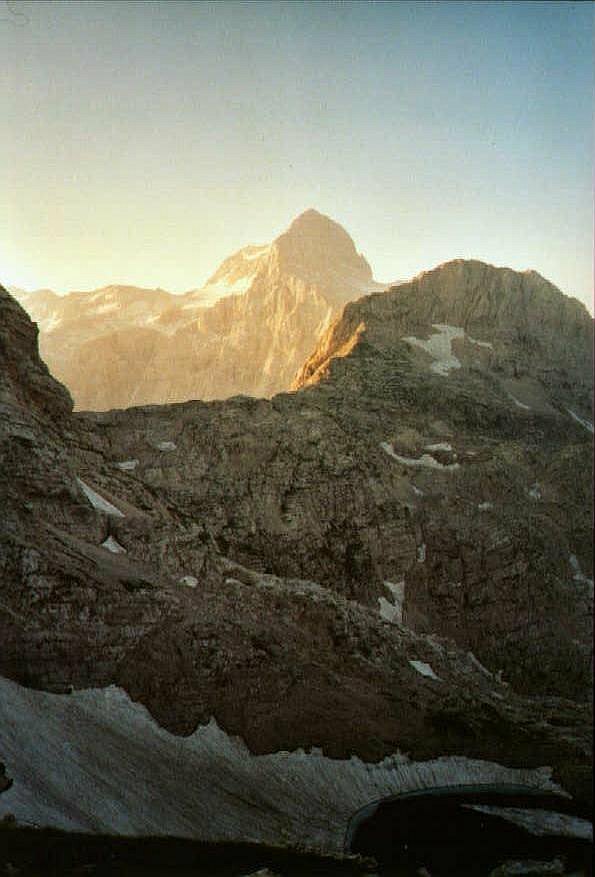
[{"x": 144, "y": 142}]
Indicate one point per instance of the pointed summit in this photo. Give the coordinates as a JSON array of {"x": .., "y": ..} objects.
[
  {"x": 320, "y": 252},
  {"x": 311, "y": 220},
  {"x": 312, "y": 225}
]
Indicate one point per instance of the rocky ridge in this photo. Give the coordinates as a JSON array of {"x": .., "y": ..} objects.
[
  {"x": 248, "y": 330},
  {"x": 393, "y": 558}
]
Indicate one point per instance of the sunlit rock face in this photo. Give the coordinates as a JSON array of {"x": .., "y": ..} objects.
[
  {"x": 247, "y": 331},
  {"x": 393, "y": 559},
  {"x": 516, "y": 325}
]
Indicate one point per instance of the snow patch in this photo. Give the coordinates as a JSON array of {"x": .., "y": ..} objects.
[
  {"x": 421, "y": 553},
  {"x": 518, "y": 403},
  {"x": 224, "y": 286},
  {"x": 539, "y": 822},
  {"x": 487, "y": 344},
  {"x": 478, "y": 665},
  {"x": 535, "y": 491},
  {"x": 425, "y": 460},
  {"x": 439, "y": 446},
  {"x": 256, "y": 253},
  {"x": 50, "y": 323},
  {"x": 107, "y": 308},
  {"x": 98, "y": 502},
  {"x": 188, "y": 581},
  {"x": 127, "y": 465},
  {"x": 235, "y": 288},
  {"x": 424, "y": 669},
  {"x": 416, "y": 490},
  {"x": 206, "y": 786},
  {"x": 579, "y": 575},
  {"x": 195, "y": 305},
  {"x": 586, "y": 423},
  {"x": 166, "y": 446},
  {"x": 112, "y": 545},
  {"x": 485, "y": 506},
  {"x": 393, "y": 611},
  {"x": 439, "y": 346}
]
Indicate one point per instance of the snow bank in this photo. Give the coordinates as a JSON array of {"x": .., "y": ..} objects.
[
  {"x": 393, "y": 611},
  {"x": 439, "y": 346},
  {"x": 127, "y": 465},
  {"x": 424, "y": 669},
  {"x": 518, "y": 403},
  {"x": 487, "y": 344},
  {"x": 586, "y": 423},
  {"x": 96, "y": 761},
  {"x": 579, "y": 575},
  {"x": 539, "y": 822},
  {"x": 166, "y": 446},
  {"x": 112, "y": 545},
  {"x": 425, "y": 460},
  {"x": 98, "y": 502}
]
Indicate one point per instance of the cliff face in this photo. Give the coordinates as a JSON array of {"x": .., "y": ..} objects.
[
  {"x": 517, "y": 325},
  {"x": 449, "y": 457},
  {"x": 25, "y": 382},
  {"x": 485, "y": 377},
  {"x": 396, "y": 557},
  {"x": 247, "y": 331}
]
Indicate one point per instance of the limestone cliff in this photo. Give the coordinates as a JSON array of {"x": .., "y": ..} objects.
[{"x": 247, "y": 331}]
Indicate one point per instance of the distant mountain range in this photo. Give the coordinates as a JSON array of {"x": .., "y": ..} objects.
[{"x": 247, "y": 331}]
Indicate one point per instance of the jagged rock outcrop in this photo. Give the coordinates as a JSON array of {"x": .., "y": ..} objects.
[
  {"x": 393, "y": 558},
  {"x": 247, "y": 331}
]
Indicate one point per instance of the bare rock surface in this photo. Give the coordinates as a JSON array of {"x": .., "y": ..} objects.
[
  {"x": 260, "y": 542},
  {"x": 386, "y": 471}
]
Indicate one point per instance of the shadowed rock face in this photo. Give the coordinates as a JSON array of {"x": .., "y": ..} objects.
[
  {"x": 25, "y": 382},
  {"x": 247, "y": 331},
  {"x": 368, "y": 483},
  {"x": 468, "y": 487},
  {"x": 492, "y": 371}
]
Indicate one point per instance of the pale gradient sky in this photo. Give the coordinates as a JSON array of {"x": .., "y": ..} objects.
[{"x": 144, "y": 142}]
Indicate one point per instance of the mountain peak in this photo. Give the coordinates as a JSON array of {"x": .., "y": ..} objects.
[
  {"x": 311, "y": 218},
  {"x": 533, "y": 331},
  {"x": 312, "y": 222},
  {"x": 320, "y": 252}
]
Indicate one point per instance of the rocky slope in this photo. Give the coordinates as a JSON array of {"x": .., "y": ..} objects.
[
  {"x": 394, "y": 558},
  {"x": 247, "y": 331},
  {"x": 459, "y": 475}
]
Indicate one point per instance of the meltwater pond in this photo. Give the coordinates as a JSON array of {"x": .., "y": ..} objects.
[{"x": 472, "y": 829}]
